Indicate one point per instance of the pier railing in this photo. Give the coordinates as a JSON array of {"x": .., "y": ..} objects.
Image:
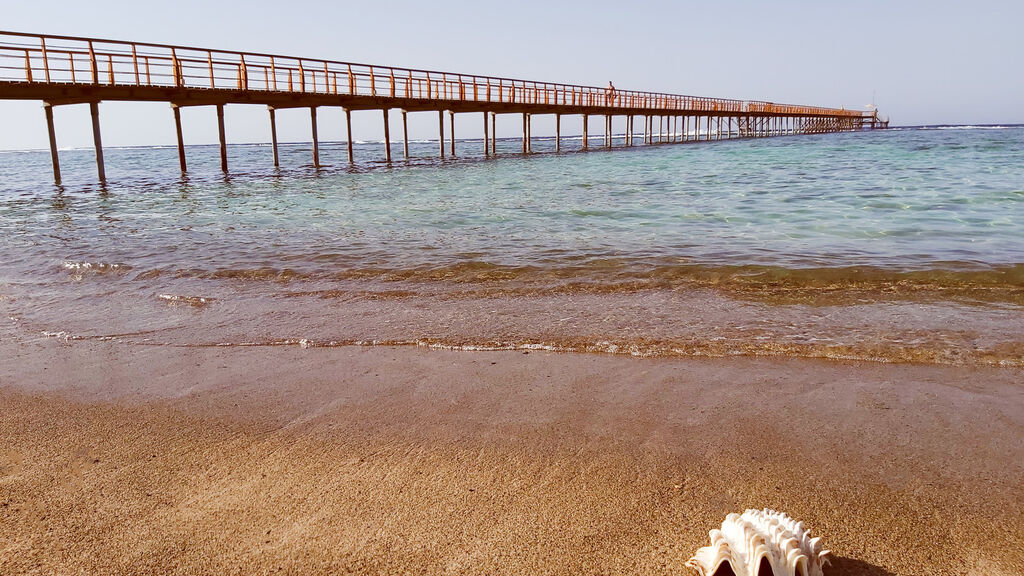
[{"x": 51, "y": 59}]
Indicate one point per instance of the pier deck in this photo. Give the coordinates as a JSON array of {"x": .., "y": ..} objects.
[{"x": 61, "y": 70}]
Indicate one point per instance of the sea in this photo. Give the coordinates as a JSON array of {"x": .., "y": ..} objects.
[{"x": 898, "y": 245}]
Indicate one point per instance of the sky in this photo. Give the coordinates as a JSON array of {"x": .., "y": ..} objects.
[{"x": 922, "y": 62}]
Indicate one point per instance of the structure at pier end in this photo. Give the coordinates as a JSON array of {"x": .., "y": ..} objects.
[{"x": 60, "y": 70}]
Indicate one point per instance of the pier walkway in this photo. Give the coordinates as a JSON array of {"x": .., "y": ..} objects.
[{"x": 60, "y": 70}]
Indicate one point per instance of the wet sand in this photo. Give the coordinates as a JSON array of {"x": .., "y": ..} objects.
[{"x": 121, "y": 459}]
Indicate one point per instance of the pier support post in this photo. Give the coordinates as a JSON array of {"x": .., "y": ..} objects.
[
  {"x": 348, "y": 135},
  {"x": 223, "y": 139},
  {"x": 529, "y": 133},
  {"x": 181, "y": 140},
  {"x": 316, "y": 140},
  {"x": 487, "y": 139},
  {"x": 440, "y": 131},
  {"x": 525, "y": 136},
  {"x": 54, "y": 158},
  {"x": 585, "y": 117},
  {"x": 94, "y": 109},
  {"x": 494, "y": 134},
  {"x": 387, "y": 137},
  {"x": 451, "y": 123},
  {"x": 558, "y": 132},
  {"x": 405, "y": 134},
  {"x": 273, "y": 136}
]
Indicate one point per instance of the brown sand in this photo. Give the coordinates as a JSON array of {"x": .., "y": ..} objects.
[{"x": 122, "y": 459}]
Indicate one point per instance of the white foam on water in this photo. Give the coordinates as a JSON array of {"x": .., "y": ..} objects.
[
  {"x": 98, "y": 266},
  {"x": 197, "y": 301},
  {"x": 60, "y": 335}
]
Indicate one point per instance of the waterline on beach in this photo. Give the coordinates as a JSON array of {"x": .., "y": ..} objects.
[{"x": 897, "y": 246}]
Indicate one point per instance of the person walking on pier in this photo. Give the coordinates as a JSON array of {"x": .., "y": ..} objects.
[{"x": 610, "y": 93}]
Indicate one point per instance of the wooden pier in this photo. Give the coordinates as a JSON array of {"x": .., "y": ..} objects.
[{"x": 61, "y": 70}]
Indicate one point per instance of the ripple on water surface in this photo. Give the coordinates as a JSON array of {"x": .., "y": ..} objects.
[{"x": 826, "y": 226}]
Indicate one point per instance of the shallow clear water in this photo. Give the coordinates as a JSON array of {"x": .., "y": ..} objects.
[{"x": 803, "y": 240}]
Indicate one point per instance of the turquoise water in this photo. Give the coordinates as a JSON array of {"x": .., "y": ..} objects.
[
  {"x": 900, "y": 199},
  {"x": 941, "y": 210}
]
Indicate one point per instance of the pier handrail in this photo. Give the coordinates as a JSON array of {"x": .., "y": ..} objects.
[{"x": 53, "y": 59}]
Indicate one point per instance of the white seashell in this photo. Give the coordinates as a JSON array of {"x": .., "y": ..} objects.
[{"x": 761, "y": 543}]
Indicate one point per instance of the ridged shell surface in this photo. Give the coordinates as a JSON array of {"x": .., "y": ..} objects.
[{"x": 745, "y": 539}]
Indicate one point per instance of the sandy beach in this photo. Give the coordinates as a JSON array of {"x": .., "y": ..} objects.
[{"x": 119, "y": 459}]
